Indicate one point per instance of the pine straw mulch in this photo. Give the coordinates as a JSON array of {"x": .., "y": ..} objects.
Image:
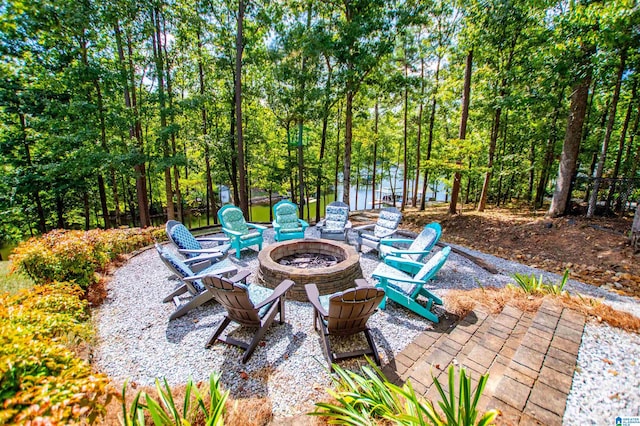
[{"x": 461, "y": 302}]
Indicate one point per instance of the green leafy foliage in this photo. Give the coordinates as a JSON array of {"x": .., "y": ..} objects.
[
  {"x": 532, "y": 285},
  {"x": 368, "y": 398},
  {"x": 77, "y": 256},
  {"x": 208, "y": 403},
  {"x": 40, "y": 374}
]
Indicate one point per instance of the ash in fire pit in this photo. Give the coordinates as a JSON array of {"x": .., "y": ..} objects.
[{"x": 309, "y": 260}]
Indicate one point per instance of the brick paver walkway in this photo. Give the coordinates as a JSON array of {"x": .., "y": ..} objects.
[{"x": 530, "y": 359}]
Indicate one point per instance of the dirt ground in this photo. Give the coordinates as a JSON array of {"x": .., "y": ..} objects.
[{"x": 596, "y": 251}]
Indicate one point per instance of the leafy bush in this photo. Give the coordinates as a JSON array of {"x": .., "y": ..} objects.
[
  {"x": 77, "y": 256},
  {"x": 369, "y": 398},
  {"x": 532, "y": 285},
  {"x": 209, "y": 403},
  {"x": 40, "y": 374}
]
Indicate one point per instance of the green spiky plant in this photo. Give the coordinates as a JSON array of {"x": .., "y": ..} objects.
[
  {"x": 532, "y": 285},
  {"x": 166, "y": 412},
  {"x": 368, "y": 398}
]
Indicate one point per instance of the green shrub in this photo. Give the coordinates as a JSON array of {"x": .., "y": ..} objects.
[
  {"x": 369, "y": 398},
  {"x": 40, "y": 374},
  {"x": 78, "y": 256}
]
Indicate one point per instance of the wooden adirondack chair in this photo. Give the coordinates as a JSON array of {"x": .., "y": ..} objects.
[
  {"x": 286, "y": 223},
  {"x": 247, "y": 305},
  {"x": 344, "y": 314},
  {"x": 405, "y": 288},
  {"x": 240, "y": 233},
  {"x": 418, "y": 248}
]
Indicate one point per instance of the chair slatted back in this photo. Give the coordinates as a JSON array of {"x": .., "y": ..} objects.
[
  {"x": 350, "y": 310},
  {"x": 235, "y": 299},
  {"x": 388, "y": 222}
]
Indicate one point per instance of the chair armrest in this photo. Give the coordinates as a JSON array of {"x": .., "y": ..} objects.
[
  {"x": 391, "y": 241},
  {"x": 402, "y": 260},
  {"x": 204, "y": 250},
  {"x": 275, "y": 224},
  {"x": 303, "y": 223},
  {"x": 220, "y": 271},
  {"x": 256, "y": 226},
  {"x": 364, "y": 227},
  {"x": 278, "y": 292},
  {"x": 203, "y": 257},
  {"x": 398, "y": 278},
  {"x": 213, "y": 239},
  {"x": 232, "y": 232},
  {"x": 361, "y": 282},
  {"x": 314, "y": 297},
  {"x": 400, "y": 251},
  {"x": 240, "y": 276},
  {"x": 348, "y": 225},
  {"x": 321, "y": 223}
]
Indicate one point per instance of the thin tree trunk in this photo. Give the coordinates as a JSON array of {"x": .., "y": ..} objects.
[
  {"x": 623, "y": 137},
  {"x": 242, "y": 171},
  {"x": 42, "y": 222},
  {"x": 545, "y": 172},
  {"x": 414, "y": 200},
  {"x": 405, "y": 173},
  {"x": 135, "y": 132},
  {"x": 375, "y": 153},
  {"x": 335, "y": 178},
  {"x": 462, "y": 134},
  {"x": 607, "y": 137},
  {"x": 348, "y": 137}
]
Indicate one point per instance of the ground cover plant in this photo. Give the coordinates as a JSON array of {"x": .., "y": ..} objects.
[{"x": 44, "y": 329}]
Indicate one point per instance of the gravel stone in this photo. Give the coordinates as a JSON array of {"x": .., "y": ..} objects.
[{"x": 136, "y": 340}]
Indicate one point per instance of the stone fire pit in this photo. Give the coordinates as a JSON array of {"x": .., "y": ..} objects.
[{"x": 331, "y": 279}]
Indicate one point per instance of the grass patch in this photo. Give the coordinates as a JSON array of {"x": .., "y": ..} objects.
[
  {"x": 12, "y": 282},
  {"x": 461, "y": 302}
]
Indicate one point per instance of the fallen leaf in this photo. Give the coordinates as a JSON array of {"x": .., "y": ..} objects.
[
  {"x": 437, "y": 366},
  {"x": 263, "y": 344},
  {"x": 608, "y": 361},
  {"x": 613, "y": 372},
  {"x": 244, "y": 375},
  {"x": 614, "y": 396}
]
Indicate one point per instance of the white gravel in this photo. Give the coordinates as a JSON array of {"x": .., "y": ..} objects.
[{"x": 136, "y": 341}]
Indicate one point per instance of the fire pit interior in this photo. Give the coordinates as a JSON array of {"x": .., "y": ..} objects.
[{"x": 331, "y": 265}]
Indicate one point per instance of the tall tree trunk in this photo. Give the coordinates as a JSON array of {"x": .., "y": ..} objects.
[
  {"x": 623, "y": 137},
  {"x": 545, "y": 172},
  {"x": 159, "y": 60},
  {"x": 432, "y": 121},
  {"x": 572, "y": 138},
  {"x": 462, "y": 133},
  {"x": 405, "y": 173},
  {"x": 414, "y": 200},
  {"x": 375, "y": 152},
  {"x": 211, "y": 202},
  {"x": 348, "y": 137},
  {"x": 607, "y": 136},
  {"x": 135, "y": 131},
  {"x": 323, "y": 140},
  {"x": 87, "y": 212},
  {"x": 335, "y": 177},
  {"x": 42, "y": 222},
  {"x": 242, "y": 171},
  {"x": 492, "y": 149}
]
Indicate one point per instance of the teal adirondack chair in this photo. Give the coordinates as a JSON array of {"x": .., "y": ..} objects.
[
  {"x": 241, "y": 234},
  {"x": 286, "y": 223},
  {"x": 404, "y": 288},
  {"x": 417, "y": 249}
]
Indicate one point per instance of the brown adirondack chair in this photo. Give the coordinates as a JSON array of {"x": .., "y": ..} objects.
[
  {"x": 247, "y": 305},
  {"x": 344, "y": 314}
]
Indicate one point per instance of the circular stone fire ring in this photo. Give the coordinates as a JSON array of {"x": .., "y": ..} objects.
[{"x": 331, "y": 279}]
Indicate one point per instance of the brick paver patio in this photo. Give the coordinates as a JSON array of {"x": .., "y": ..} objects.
[{"x": 530, "y": 359}]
